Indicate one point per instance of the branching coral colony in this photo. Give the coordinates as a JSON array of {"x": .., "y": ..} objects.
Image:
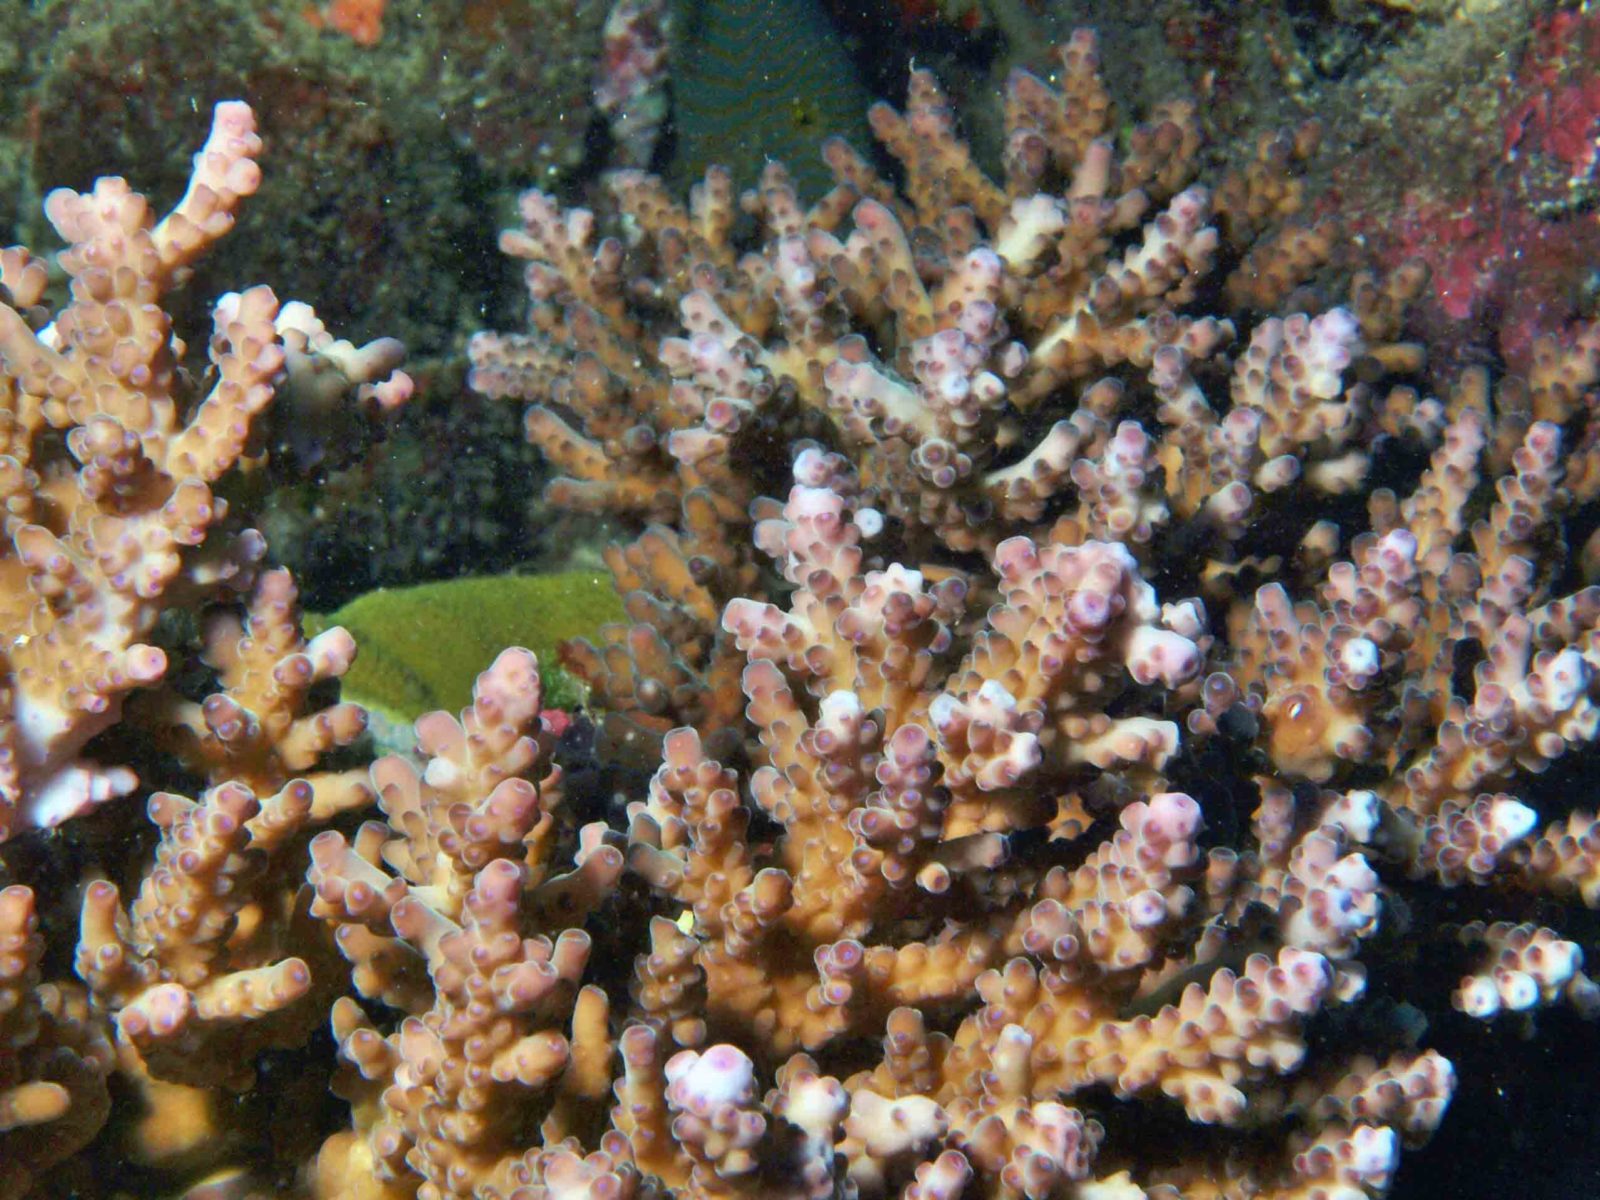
[
  {"x": 970, "y": 866},
  {"x": 914, "y": 940},
  {"x": 110, "y": 454}
]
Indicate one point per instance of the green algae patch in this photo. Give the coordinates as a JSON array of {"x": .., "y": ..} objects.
[{"x": 420, "y": 648}]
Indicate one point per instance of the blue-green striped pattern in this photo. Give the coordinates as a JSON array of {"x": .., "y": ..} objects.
[{"x": 759, "y": 79}]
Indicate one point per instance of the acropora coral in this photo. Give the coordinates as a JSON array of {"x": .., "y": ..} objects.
[{"x": 1071, "y": 675}]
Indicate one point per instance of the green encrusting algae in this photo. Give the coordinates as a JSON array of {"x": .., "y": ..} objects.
[{"x": 420, "y": 648}]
